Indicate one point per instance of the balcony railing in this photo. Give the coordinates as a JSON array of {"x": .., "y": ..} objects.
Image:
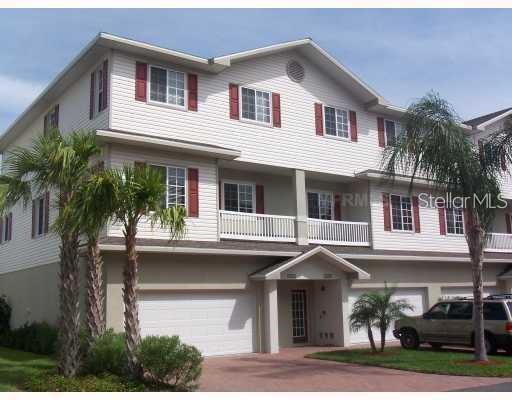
[
  {"x": 247, "y": 226},
  {"x": 499, "y": 242},
  {"x": 338, "y": 232}
]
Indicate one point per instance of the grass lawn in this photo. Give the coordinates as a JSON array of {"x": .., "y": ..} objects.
[
  {"x": 16, "y": 366},
  {"x": 445, "y": 362}
]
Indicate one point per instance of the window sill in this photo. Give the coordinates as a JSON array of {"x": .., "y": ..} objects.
[
  {"x": 257, "y": 123},
  {"x": 402, "y": 231},
  {"x": 166, "y": 105},
  {"x": 340, "y": 138}
]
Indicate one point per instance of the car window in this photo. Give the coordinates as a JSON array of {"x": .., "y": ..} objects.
[
  {"x": 439, "y": 311},
  {"x": 462, "y": 310},
  {"x": 494, "y": 312},
  {"x": 509, "y": 305}
]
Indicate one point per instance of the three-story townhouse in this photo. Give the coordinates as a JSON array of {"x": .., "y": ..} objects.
[{"x": 275, "y": 154}]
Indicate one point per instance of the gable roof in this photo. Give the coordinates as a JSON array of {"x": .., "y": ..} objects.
[
  {"x": 476, "y": 122},
  {"x": 102, "y": 42}
]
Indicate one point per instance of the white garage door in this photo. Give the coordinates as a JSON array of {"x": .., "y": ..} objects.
[
  {"x": 464, "y": 291},
  {"x": 415, "y": 297},
  {"x": 216, "y": 323}
]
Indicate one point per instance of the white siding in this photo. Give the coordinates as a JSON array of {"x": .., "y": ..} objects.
[
  {"x": 428, "y": 239},
  {"x": 23, "y": 251},
  {"x": 295, "y": 145},
  {"x": 202, "y": 228}
]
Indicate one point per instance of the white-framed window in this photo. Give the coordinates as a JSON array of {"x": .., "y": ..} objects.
[
  {"x": 51, "y": 119},
  {"x": 40, "y": 216},
  {"x": 175, "y": 180},
  {"x": 320, "y": 205},
  {"x": 256, "y": 105},
  {"x": 401, "y": 213},
  {"x": 455, "y": 221},
  {"x": 6, "y": 228},
  {"x": 239, "y": 196},
  {"x": 392, "y": 130},
  {"x": 167, "y": 86},
  {"x": 336, "y": 122}
]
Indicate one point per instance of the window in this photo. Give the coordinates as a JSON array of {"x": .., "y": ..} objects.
[
  {"x": 99, "y": 89},
  {"x": 462, "y": 310},
  {"x": 401, "y": 212},
  {"x": 320, "y": 205},
  {"x": 494, "y": 312},
  {"x": 255, "y": 105},
  {"x": 6, "y": 228},
  {"x": 439, "y": 311},
  {"x": 455, "y": 221},
  {"x": 51, "y": 120},
  {"x": 175, "y": 180},
  {"x": 336, "y": 122},
  {"x": 392, "y": 131},
  {"x": 239, "y": 197},
  {"x": 167, "y": 86},
  {"x": 39, "y": 216}
]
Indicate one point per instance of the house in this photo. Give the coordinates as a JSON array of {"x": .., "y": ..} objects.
[{"x": 275, "y": 154}]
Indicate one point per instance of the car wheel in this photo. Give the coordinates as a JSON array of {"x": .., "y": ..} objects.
[
  {"x": 436, "y": 346},
  {"x": 409, "y": 339},
  {"x": 490, "y": 345}
]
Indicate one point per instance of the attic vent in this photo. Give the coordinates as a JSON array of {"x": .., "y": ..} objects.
[
  {"x": 295, "y": 71},
  {"x": 291, "y": 276}
]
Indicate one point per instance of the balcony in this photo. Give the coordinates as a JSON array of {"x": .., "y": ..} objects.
[
  {"x": 281, "y": 228},
  {"x": 499, "y": 242}
]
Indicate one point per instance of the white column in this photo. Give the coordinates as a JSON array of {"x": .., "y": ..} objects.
[
  {"x": 271, "y": 316},
  {"x": 345, "y": 312},
  {"x": 301, "y": 207}
]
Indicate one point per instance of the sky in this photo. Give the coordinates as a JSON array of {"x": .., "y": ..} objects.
[{"x": 464, "y": 55}]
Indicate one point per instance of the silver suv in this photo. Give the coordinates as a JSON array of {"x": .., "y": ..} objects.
[{"x": 450, "y": 322}]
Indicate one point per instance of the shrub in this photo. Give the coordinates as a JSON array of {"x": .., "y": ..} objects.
[
  {"x": 37, "y": 337},
  {"x": 168, "y": 362},
  {"x": 87, "y": 383},
  {"x": 107, "y": 355},
  {"x": 5, "y": 315}
]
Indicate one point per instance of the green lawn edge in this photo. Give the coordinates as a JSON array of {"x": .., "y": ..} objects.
[{"x": 424, "y": 360}]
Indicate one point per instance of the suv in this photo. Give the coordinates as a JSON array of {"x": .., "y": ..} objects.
[{"x": 451, "y": 322}]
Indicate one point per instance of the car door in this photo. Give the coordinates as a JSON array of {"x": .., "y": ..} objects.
[
  {"x": 431, "y": 325},
  {"x": 459, "y": 323}
]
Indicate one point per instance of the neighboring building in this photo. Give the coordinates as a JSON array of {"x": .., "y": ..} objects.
[{"x": 275, "y": 154}]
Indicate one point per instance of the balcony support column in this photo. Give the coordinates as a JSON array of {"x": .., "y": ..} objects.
[{"x": 301, "y": 208}]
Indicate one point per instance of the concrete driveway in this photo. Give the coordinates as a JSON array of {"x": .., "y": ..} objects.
[{"x": 290, "y": 371}]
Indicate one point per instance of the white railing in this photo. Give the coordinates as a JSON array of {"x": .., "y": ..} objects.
[
  {"x": 499, "y": 242},
  {"x": 338, "y": 232},
  {"x": 248, "y": 226}
]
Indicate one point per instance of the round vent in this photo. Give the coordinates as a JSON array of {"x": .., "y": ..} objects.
[{"x": 295, "y": 71}]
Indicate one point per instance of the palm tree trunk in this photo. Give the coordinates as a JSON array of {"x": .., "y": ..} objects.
[
  {"x": 370, "y": 337},
  {"x": 382, "y": 339},
  {"x": 95, "y": 319},
  {"x": 131, "y": 314},
  {"x": 475, "y": 238},
  {"x": 69, "y": 320}
]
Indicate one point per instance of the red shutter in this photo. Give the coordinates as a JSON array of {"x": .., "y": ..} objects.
[
  {"x": 193, "y": 192},
  {"x": 192, "y": 92},
  {"x": 46, "y": 212},
  {"x": 141, "y": 78},
  {"x": 56, "y": 113},
  {"x": 33, "y": 218},
  {"x": 104, "y": 95},
  {"x": 233, "y": 101},
  {"x": 337, "y": 207},
  {"x": 380, "y": 129},
  {"x": 276, "y": 110},
  {"x": 9, "y": 236},
  {"x": 353, "y": 125},
  {"x": 260, "y": 199},
  {"x": 416, "y": 214},
  {"x": 442, "y": 220},
  {"x": 319, "y": 119},
  {"x": 91, "y": 98},
  {"x": 387, "y": 211},
  {"x": 508, "y": 222}
]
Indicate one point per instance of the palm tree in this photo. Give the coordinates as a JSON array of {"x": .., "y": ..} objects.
[
  {"x": 436, "y": 147},
  {"x": 136, "y": 193},
  {"x": 363, "y": 316},
  {"x": 385, "y": 311},
  {"x": 56, "y": 163}
]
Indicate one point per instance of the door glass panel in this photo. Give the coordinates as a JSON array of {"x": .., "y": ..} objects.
[{"x": 299, "y": 316}]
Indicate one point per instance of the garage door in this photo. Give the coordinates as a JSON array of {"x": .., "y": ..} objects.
[
  {"x": 415, "y": 297},
  {"x": 216, "y": 323},
  {"x": 464, "y": 291}
]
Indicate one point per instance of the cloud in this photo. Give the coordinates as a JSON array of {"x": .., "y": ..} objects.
[{"x": 17, "y": 93}]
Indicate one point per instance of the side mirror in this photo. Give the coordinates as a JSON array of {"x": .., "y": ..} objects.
[{"x": 426, "y": 315}]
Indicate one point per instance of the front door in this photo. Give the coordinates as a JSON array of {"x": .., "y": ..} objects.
[{"x": 299, "y": 316}]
